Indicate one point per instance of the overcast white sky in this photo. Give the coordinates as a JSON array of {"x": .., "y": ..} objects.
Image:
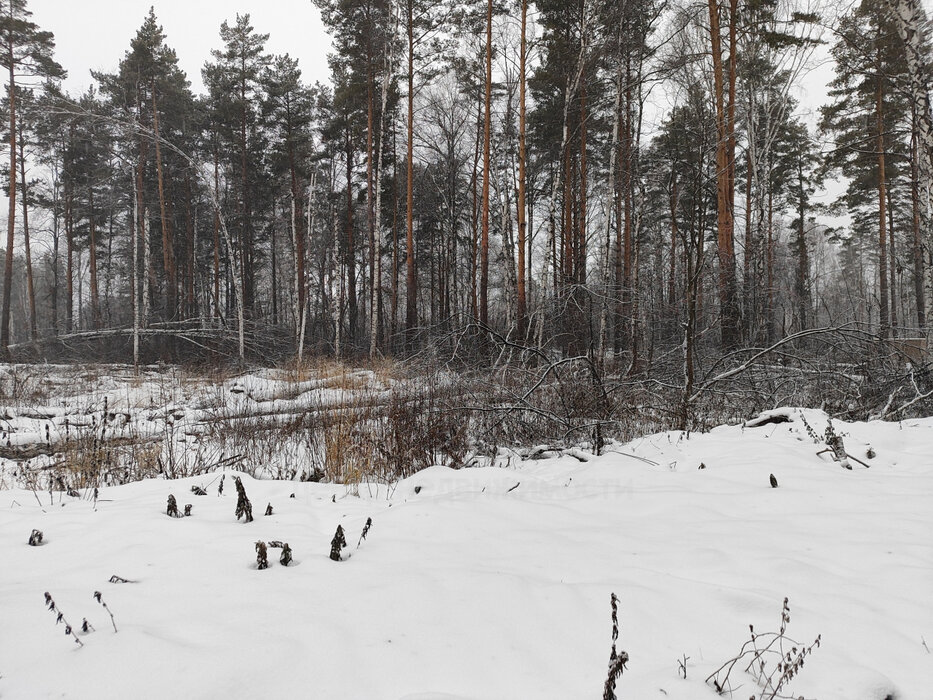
[{"x": 94, "y": 34}]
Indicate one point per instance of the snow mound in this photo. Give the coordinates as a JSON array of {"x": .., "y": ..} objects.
[{"x": 479, "y": 584}]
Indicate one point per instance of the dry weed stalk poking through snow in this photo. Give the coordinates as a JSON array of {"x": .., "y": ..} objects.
[
  {"x": 262, "y": 559},
  {"x": 97, "y": 597},
  {"x": 60, "y": 617},
  {"x": 172, "y": 508},
  {"x": 618, "y": 660},
  {"x": 774, "y": 659},
  {"x": 338, "y": 543},
  {"x": 35, "y": 539},
  {"x": 369, "y": 524},
  {"x": 286, "y": 558},
  {"x": 682, "y": 666},
  {"x": 243, "y": 506}
]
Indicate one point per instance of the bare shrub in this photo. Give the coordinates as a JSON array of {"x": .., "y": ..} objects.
[{"x": 773, "y": 660}]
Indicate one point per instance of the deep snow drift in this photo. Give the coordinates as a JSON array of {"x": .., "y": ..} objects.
[{"x": 491, "y": 582}]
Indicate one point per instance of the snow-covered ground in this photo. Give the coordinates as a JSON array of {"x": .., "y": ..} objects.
[{"x": 491, "y": 582}]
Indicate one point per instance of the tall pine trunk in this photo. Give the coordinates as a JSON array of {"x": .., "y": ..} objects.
[
  {"x": 916, "y": 229},
  {"x": 411, "y": 287},
  {"x": 487, "y": 121},
  {"x": 521, "y": 301},
  {"x": 168, "y": 245},
  {"x": 350, "y": 260},
  {"x": 27, "y": 245},
  {"x": 724, "y": 98},
  {"x": 217, "y": 306},
  {"x": 11, "y": 215},
  {"x": 92, "y": 260},
  {"x": 884, "y": 316},
  {"x": 69, "y": 254}
]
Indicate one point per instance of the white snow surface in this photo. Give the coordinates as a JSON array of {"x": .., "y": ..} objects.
[{"x": 475, "y": 588}]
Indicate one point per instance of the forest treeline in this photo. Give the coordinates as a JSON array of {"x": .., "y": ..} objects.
[{"x": 632, "y": 179}]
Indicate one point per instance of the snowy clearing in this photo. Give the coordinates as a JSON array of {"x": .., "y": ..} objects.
[{"x": 491, "y": 582}]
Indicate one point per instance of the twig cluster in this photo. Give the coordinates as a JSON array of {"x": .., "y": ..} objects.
[
  {"x": 774, "y": 659},
  {"x": 809, "y": 428},
  {"x": 682, "y": 666}
]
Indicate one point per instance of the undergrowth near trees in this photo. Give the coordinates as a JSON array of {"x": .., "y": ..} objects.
[{"x": 97, "y": 426}]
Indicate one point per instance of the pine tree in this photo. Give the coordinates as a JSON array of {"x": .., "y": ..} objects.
[
  {"x": 25, "y": 52},
  {"x": 234, "y": 82},
  {"x": 150, "y": 88},
  {"x": 864, "y": 118},
  {"x": 288, "y": 112},
  {"x": 794, "y": 175}
]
